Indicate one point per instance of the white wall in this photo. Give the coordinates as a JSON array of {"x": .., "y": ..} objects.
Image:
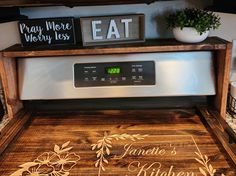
[
  {"x": 227, "y": 30},
  {"x": 154, "y": 13},
  {"x": 9, "y": 34}
]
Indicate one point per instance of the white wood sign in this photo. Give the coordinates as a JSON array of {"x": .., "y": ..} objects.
[{"x": 112, "y": 29}]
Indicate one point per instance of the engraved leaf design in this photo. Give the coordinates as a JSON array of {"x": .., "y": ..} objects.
[
  {"x": 104, "y": 145},
  {"x": 29, "y": 164},
  {"x": 108, "y": 145},
  {"x": 204, "y": 161},
  {"x": 65, "y": 150},
  {"x": 200, "y": 156},
  {"x": 93, "y": 146},
  {"x": 56, "y": 148},
  {"x": 211, "y": 168},
  {"x": 105, "y": 160},
  {"x": 199, "y": 161},
  {"x": 99, "y": 154},
  {"x": 99, "y": 144},
  {"x": 96, "y": 164},
  {"x": 202, "y": 171},
  {"x": 214, "y": 171},
  {"x": 108, "y": 141},
  {"x": 65, "y": 144},
  {"x": 108, "y": 151}
]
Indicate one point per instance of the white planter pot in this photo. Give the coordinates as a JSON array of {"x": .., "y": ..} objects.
[{"x": 189, "y": 35}]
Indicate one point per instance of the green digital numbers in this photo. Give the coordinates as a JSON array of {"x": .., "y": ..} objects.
[{"x": 113, "y": 70}]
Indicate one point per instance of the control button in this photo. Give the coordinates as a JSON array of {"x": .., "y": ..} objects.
[
  {"x": 94, "y": 71},
  {"x": 133, "y": 77},
  {"x": 140, "y": 69},
  {"x": 86, "y": 71},
  {"x": 123, "y": 78},
  {"x": 133, "y": 70},
  {"x": 94, "y": 78},
  {"x": 86, "y": 79},
  {"x": 113, "y": 81},
  {"x": 140, "y": 77},
  {"x": 103, "y": 79}
]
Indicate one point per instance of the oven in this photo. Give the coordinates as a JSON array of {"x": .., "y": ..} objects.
[{"x": 117, "y": 76}]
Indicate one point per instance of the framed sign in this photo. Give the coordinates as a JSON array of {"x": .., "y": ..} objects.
[
  {"x": 47, "y": 31},
  {"x": 112, "y": 29}
]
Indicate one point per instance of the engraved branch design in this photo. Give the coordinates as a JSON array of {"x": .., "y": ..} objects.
[
  {"x": 56, "y": 163},
  {"x": 204, "y": 161},
  {"x": 207, "y": 168},
  {"x": 104, "y": 146}
]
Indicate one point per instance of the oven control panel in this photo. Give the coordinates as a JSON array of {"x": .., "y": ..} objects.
[{"x": 114, "y": 74}]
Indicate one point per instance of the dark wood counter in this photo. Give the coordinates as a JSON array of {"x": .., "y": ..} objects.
[{"x": 122, "y": 142}]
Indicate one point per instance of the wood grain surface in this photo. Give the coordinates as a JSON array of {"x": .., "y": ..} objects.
[
  {"x": 12, "y": 128},
  {"x": 116, "y": 142},
  {"x": 221, "y": 130},
  {"x": 222, "y": 65},
  {"x": 8, "y": 74}
]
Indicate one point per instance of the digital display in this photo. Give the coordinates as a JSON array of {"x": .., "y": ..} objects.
[
  {"x": 113, "y": 70},
  {"x": 126, "y": 73}
]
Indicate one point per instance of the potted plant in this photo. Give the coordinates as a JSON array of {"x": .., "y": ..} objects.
[{"x": 192, "y": 25}]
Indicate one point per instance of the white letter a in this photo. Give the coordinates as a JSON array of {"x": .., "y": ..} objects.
[{"x": 113, "y": 30}]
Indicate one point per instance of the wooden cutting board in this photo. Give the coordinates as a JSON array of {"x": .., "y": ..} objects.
[{"x": 116, "y": 142}]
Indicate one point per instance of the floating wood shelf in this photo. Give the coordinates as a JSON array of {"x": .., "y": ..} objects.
[{"x": 154, "y": 45}]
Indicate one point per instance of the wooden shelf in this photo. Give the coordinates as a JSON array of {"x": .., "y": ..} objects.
[{"x": 154, "y": 45}]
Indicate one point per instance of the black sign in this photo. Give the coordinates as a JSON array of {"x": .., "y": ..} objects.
[{"x": 48, "y": 31}]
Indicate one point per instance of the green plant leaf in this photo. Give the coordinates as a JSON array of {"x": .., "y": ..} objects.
[{"x": 199, "y": 19}]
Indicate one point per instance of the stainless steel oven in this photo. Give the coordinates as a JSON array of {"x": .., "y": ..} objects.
[{"x": 117, "y": 76}]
